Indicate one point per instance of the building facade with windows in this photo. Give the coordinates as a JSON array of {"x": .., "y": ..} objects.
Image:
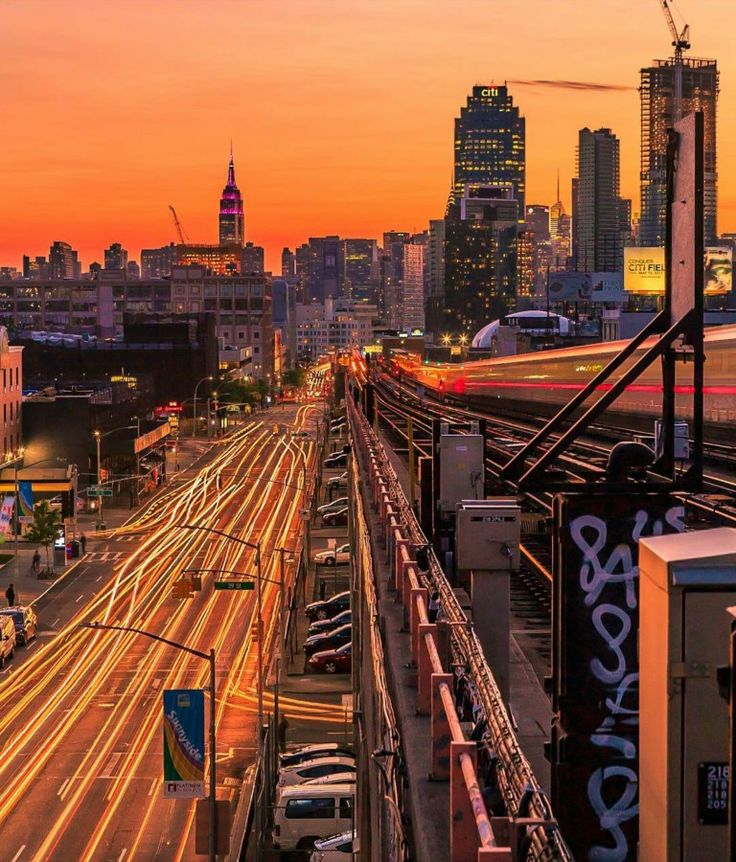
[
  {"x": 11, "y": 367},
  {"x": 490, "y": 144}
]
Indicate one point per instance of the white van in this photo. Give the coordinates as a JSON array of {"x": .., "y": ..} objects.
[
  {"x": 7, "y": 639},
  {"x": 305, "y": 813}
]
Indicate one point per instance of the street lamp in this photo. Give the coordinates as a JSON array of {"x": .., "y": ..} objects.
[
  {"x": 17, "y": 503},
  {"x": 209, "y": 657},
  {"x": 213, "y": 396},
  {"x": 194, "y": 429},
  {"x": 256, "y": 546},
  {"x": 98, "y": 437}
]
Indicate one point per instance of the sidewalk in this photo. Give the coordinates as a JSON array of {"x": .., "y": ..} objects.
[{"x": 29, "y": 588}]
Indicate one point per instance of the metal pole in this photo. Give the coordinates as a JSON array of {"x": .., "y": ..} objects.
[
  {"x": 213, "y": 763},
  {"x": 260, "y": 789},
  {"x": 17, "y": 522},
  {"x": 208, "y": 417},
  {"x": 99, "y": 475},
  {"x": 194, "y": 420},
  {"x": 412, "y": 466}
]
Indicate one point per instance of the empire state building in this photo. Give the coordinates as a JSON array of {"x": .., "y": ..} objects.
[{"x": 232, "y": 220}]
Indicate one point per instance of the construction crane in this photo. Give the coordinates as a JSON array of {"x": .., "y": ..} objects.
[
  {"x": 681, "y": 43},
  {"x": 183, "y": 238}
]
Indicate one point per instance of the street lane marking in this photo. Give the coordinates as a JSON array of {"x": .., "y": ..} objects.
[
  {"x": 57, "y": 620},
  {"x": 60, "y": 791},
  {"x": 122, "y": 854},
  {"x": 32, "y": 644},
  {"x": 18, "y": 854},
  {"x": 79, "y": 598},
  {"x": 98, "y": 579},
  {"x": 110, "y": 765},
  {"x": 153, "y": 786}
]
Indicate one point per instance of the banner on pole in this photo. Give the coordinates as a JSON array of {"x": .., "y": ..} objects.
[
  {"x": 183, "y": 743},
  {"x": 25, "y": 502},
  {"x": 6, "y": 513}
]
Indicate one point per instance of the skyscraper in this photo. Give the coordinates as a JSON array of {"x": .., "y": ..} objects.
[
  {"x": 63, "y": 261},
  {"x": 253, "y": 259},
  {"x": 116, "y": 257},
  {"x": 490, "y": 141},
  {"x": 412, "y": 293},
  {"x": 699, "y": 93},
  {"x": 361, "y": 269},
  {"x": 597, "y": 242},
  {"x": 232, "y": 220},
  {"x": 480, "y": 259}
]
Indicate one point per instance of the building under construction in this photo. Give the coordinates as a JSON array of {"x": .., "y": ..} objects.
[{"x": 658, "y": 108}]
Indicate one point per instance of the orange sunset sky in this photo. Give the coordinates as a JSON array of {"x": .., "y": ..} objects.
[{"x": 341, "y": 111}]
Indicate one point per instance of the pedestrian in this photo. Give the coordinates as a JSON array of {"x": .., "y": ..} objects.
[
  {"x": 10, "y": 596},
  {"x": 434, "y": 607},
  {"x": 282, "y": 728},
  {"x": 83, "y": 543},
  {"x": 36, "y": 564}
]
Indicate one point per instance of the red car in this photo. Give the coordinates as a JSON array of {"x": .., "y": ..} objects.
[
  {"x": 333, "y": 660},
  {"x": 335, "y": 519}
]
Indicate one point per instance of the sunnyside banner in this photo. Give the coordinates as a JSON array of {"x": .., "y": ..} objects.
[{"x": 184, "y": 743}]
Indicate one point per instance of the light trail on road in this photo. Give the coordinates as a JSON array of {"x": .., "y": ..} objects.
[{"x": 80, "y": 729}]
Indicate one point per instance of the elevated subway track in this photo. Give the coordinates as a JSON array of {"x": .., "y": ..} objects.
[{"x": 585, "y": 461}]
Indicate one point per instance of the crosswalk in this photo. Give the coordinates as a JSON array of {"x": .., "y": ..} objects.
[{"x": 104, "y": 556}]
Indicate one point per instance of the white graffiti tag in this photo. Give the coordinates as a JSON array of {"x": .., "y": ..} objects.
[{"x": 608, "y": 578}]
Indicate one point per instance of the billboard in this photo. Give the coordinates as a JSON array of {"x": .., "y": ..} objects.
[
  {"x": 6, "y": 514},
  {"x": 183, "y": 743},
  {"x": 644, "y": 270},
  {"x": 718, "y": 270},
  {"x": 586, "y": 287}
]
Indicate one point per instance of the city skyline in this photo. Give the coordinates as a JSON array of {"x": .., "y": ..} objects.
[{"x": 323, "y": 144}]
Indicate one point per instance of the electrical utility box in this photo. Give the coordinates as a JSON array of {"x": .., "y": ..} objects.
[
  {"x": 488, "y": 533},
  {"x": 682, "y": 440},
  {"x": 462, "y": 465},
  {"x": 686, "y": 583}
]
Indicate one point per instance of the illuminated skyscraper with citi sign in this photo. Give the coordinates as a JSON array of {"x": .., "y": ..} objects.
[{"x": 490, "y": 144}]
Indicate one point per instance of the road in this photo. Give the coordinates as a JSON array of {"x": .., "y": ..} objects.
[{"x": 80, "y": 724}]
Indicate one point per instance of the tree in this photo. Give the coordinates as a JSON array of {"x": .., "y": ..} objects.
[
  {"x": 45, "y": 527},
  {"x": 294, "y": 377}
]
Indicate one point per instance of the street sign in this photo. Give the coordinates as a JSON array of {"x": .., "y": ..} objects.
[
  {"x": 234, "y": 585},
  {"x": 99, "y": 491},
  {"x": 183, "y": 743}
]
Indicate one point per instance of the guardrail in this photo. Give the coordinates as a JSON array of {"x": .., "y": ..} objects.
[
  {"x": 382, "y": 826},
  {"x": 529, "y": 831}
]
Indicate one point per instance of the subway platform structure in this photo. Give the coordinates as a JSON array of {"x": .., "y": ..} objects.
[{"x": 610, "y": 795}]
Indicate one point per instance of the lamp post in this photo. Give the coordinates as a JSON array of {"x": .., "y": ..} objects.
[
  {"x": 256, "y": 546},
  {"x": 98, "y": 437},
  {"x": 213, "y": 395},
  {"x": 209, "y": 657},
  {"x": 194, "y": 428},
  {"x": 17, "y": 504}
]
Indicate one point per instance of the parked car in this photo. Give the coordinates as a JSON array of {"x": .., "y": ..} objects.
[
  {"x": 302, "y": 435},
  {"x": 305, "y": 813},
  {"x": 338, "y": 420},
  {"x": 333, "y": 555},
  {"x": 320, "y": 768},
  {"x": 334, "y": 778},
  {"x": 335, "y": 622},
  {"x": 328, "y": 640},
  {"x": 333, "y": 505},
  {"x": 336, "y": 518},
  {"x": 25, "y": 622},
  {"x": 338, "y": 481},
  {"x": 333, "y": 660},
  {"x": 315, "y": 751},
  {"x": 337, "y": 459},
  {"x": 338, "y": 429},
  {"x": 328, "y": 608},
  {"x": 7, "y": 639},
  {"x": 336, "y": 848}
]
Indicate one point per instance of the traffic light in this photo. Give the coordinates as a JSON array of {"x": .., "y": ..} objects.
[{"x": 181, "y": 589}]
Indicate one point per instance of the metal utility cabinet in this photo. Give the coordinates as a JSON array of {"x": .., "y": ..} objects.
[{"x": 687, "y": 582}]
